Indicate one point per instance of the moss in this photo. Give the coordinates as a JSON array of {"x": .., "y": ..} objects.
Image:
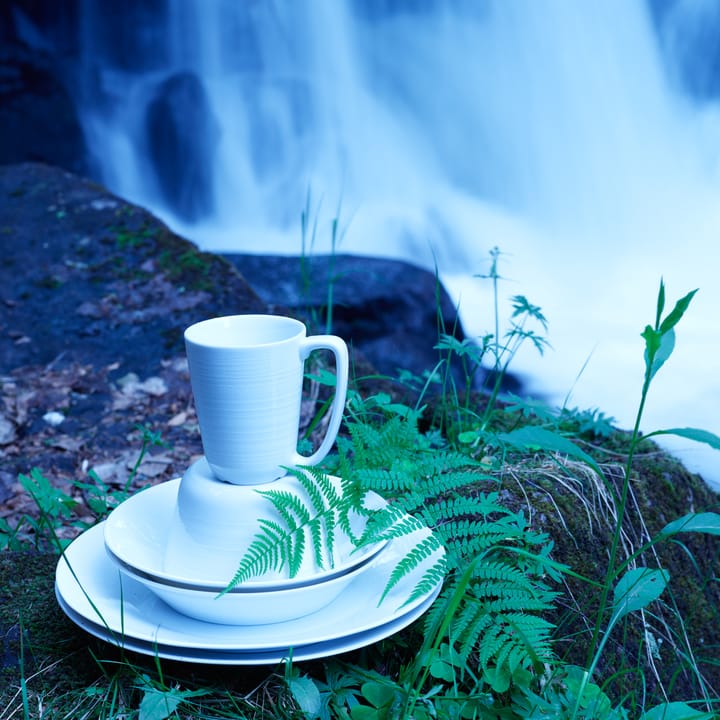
[
  {"x": 187, "y": 266},
  {"x": 36, "y": 639},
  {"x": 571, "y": 504},
  {"x": 49, "y": 282}
]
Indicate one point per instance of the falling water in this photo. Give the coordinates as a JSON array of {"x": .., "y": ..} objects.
[{"x": 581, "y": 139}]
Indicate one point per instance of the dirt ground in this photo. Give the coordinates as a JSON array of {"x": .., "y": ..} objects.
[{"x": 94, "y": 297}]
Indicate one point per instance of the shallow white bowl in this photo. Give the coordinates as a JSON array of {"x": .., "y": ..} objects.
[
  {"x": 251, "y": 607},
  {"x": 146, "y": 536}
]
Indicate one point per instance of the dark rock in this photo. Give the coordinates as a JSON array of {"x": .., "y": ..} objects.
[
  {"x": 181, "y": 136},
  {"x": 85, "y": 275},
  {"x": 38, "y": 120},
  {"x": 688, "y": 36},
  {"x": 389, "y": 309}
]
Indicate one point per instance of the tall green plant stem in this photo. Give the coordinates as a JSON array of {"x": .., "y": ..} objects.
[
  {"x": 659, "y": 344},
  {"x": 611, "y": 571}
]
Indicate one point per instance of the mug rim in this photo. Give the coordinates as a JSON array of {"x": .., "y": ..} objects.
[{"x": 197, "y": 333}]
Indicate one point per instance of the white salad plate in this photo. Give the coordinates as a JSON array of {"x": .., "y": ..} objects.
[
  {"x": 137, "y": 534},
  {"x": 92, "y": 589},
  {"x": 311, "y": 651}
]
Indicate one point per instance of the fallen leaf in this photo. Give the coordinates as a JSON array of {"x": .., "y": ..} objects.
[
  {"x": 7, "y": 431},
  {"x": 154, "y": 386},
  {"x": 53, "y": 418},
  {"x": 65, "y": 442},
  {"x": 178, "y": 419}
]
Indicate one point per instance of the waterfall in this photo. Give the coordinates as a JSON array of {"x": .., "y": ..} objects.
[{"x": 580, "y": 138}]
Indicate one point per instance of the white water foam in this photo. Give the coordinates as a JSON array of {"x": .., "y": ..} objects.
[{"x": 547, "y": 129}]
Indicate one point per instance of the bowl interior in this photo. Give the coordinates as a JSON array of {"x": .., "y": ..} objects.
[{"x": 142, "y": 533}]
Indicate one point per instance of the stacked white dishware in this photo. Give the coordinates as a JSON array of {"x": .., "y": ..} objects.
[{"x": 155, "y": 576}]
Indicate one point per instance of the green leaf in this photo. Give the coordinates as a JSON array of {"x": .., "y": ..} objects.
[
  {"x": 660, "y": 303},
  {"x": 674, "y": 316},
  {"x": 706, "y": 522},
  {"x": 159, "y": 704},
  {"x": 695, "y": 434},
  {"x": 363, "y": 712},
  {"x": 636, "y": 590},
  {"x": 652, "y": 342},
  {"x": 676, "y": 711},
  {"x": 521, "y": 306},
  {"x": 658, "y": 348},
  {"x": 535, "y": 438},
  {"x": 468, "y": 437},
  {"x": 306, "y": 695},
  {"x": 498, "y": 678},
  {"x": 660, "y": 340},
  {"x": 53, "y": 502},
  {"x": 378, "y": 694}
]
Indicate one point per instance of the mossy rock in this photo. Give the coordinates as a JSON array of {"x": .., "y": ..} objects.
[
  {"x": 37, "y": 641},
  {"x": 65, "y": 672},
  {"x": 574, "y": 506}
]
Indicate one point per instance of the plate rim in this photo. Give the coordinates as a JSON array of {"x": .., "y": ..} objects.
[
  {"x": 300, "y": 653},
  {"x": 89, "y": 548}
]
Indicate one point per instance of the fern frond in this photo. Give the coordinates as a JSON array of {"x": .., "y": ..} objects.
[
  {"x": 289, "y": 506},
  {"x": 322, "y": 536},
  {"x": 386, "y": 481},
  {"x": 515, "y": 639},
  {"x": 294, "y": 551},
  {"x": 475, "y": 506},
  {"x": 499, "y": 619},
  {"x": 446, "y": 462},
  {"x": 319, "y": 487},
  {"x": 312, "y": 517},
  {"x": 389, "y": 523},
  {"x": 488, "y": 639},
  {"x": 411, "y": 561},
  {"x": 264, "y": 554}
]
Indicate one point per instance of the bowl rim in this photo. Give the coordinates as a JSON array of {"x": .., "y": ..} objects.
[
  {"x": 149, "y": 565},
  {"x": 250, "y": 588}
]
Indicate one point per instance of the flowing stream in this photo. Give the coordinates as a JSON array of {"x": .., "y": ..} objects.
[{"x": 582, "y": 139}]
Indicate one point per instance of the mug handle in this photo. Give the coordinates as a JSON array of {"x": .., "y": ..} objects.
[{"x": 339, "y": 349}]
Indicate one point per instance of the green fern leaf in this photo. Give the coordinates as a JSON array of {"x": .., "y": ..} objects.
[
  {"x": 263, "y": 555},
  {"x": 389, "y": 523},
  {"x": 411, "y": 561},
  {"x": 319, "y": 487},
  {"x": 431, "y": 578},
  {"x": 289, "y": 506}
]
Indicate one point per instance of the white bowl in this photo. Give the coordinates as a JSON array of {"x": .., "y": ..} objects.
[
  {"x": 250, "y": 607},
  {"x": 164, "y": 534}
]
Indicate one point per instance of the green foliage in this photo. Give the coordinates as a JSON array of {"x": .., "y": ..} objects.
[
  {"x": 704, "y": 522},
  {"x": 485, "y": 649},
  {"x": 131, "y": 238},
  {"x": 54, "y": 505},
  {"x": 526, "y": 324},
  {"x": 158, "y": 702},
  {"x": 494, "y": 609},
  {"x": 593, "y": 422},
  {"x": 314, "y": 524},
  {"x": 677, "y": 711},
  {"x": 57, "y": 507}
]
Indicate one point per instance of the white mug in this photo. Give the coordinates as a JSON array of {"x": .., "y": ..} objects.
[{"x": 246, "y": 373}]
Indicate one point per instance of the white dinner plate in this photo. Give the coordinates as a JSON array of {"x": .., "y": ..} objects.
[
  {"x": 90, "y": 584},
  {"x": 301, "y": 653}
]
